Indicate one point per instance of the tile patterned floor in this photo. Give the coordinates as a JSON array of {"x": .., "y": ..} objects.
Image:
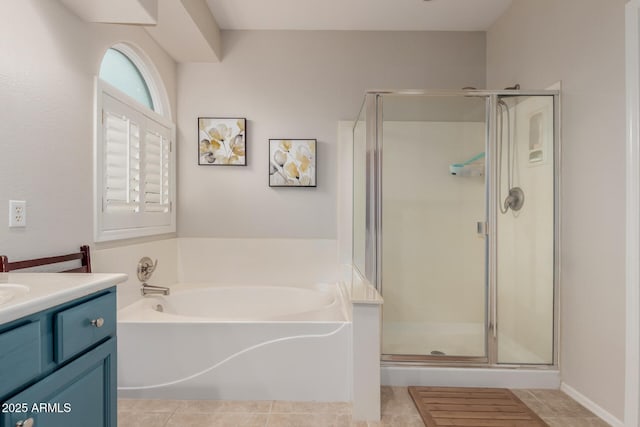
[{"x": 398, "y": 410}]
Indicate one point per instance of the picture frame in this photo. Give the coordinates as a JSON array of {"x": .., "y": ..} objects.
[
  {"x": 222, "y": 141},
  {"x": 292, "y": 163}
]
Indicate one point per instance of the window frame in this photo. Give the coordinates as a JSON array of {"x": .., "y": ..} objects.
[{"x": 137, "y": 226}]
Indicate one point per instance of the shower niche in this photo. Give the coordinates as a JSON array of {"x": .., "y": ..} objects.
[{"x": 455, "y": 223}]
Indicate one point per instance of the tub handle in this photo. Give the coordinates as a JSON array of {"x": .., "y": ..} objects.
[{"x": 146, "y": 267}]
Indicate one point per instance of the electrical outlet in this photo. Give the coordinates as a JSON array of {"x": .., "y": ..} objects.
[{"x": 17, "y": 213}]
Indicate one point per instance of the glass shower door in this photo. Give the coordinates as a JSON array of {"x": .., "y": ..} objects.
[
  {"x": 434, "y": 210},
  {"x": 525, "y": 231}
]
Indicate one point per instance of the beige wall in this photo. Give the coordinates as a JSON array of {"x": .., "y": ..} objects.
[
  {"x": 581, "y": 43},
  {"x": 297, "y": 85},
  {"x": 47, "y": 68}
]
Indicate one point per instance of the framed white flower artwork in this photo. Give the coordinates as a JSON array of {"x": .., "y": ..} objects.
[
  {"x": 222, "y": 141},
  {"x": 292, "y": 163}
]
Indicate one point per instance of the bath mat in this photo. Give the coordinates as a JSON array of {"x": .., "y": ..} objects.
[{"x": 472, "y": 407}]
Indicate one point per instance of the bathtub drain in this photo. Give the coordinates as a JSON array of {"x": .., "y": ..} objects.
[
  {"x": 438, "y": 353},
  {"x": 159, "y": 308}
]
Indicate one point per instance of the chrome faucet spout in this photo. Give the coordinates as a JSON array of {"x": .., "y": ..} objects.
[{"x": 154, "y": 290}]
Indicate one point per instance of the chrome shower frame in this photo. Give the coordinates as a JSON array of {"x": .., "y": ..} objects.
[{"x": 373, "y": 113}]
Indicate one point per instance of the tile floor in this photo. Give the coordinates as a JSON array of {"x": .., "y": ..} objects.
[{"x": 398, "y": 410}]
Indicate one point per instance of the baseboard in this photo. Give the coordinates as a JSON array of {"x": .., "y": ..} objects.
[{"x": 591, "y": 405}]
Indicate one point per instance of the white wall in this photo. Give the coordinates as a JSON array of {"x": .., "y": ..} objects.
[
  {"x": 47, "y": 68},
  {"x": 292, "y": 84},
  {"x": 258, "y": 261},
  {"x": 296, "y": 262},
  {"x": 581, "y": 43},
  {"x": 124, "y": 259}
]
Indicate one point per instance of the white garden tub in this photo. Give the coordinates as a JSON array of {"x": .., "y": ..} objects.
[{"x": 237, "y": 343}]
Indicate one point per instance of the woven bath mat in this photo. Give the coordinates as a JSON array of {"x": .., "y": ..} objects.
[{"x": 472, "y": 407}]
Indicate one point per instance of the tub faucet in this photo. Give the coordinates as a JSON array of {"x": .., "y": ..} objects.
[{"x": 153, "y": 290}]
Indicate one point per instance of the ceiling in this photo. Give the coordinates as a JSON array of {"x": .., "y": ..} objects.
[
  {"x": 381, "y": 15},
  {"x": 189, "y": 30}
]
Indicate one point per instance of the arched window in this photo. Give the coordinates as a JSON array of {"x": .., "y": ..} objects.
[
  {"x": 135, "y": 160},
  {"x": 120, "y": 72}
]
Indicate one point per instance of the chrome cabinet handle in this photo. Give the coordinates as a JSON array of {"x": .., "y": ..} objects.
[
  {"x": 25, "y": 423},
  {"x": 98, "y": 322}
]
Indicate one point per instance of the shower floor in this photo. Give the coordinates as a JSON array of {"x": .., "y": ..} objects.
[{"x": 451, "y": 339}]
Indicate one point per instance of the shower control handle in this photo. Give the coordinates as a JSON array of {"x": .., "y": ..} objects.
[{"x": 146, "y": 267}]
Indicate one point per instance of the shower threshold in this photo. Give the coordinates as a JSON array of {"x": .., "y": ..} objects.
[
  {"x": 432, "y": 360},
  {"x": 468, "y": 375}
]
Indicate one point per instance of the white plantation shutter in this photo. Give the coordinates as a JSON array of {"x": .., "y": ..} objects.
[
  {"x": 156, "y": 166},
  {"x": 134, "y": 167},
  {"x": 121, "y": 188}
]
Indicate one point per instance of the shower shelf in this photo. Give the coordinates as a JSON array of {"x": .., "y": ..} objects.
[{"x": 468, "y": 168}]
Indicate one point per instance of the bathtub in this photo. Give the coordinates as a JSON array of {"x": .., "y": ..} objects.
[{"x": 237, "y": 343}]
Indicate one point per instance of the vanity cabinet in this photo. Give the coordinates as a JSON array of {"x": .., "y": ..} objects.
[{"x": 58, "y": 367}]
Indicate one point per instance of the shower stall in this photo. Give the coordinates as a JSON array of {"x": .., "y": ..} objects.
[{"x": 455, "y": 222}]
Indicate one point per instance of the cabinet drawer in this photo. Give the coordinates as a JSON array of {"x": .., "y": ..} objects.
[
  {"x": 20, "y": 359},
  {"x": 82, "y": 326}
]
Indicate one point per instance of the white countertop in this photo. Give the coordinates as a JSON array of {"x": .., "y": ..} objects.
[{"x": 46, "y": 290}]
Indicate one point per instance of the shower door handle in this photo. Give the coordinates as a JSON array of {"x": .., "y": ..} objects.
[{"x": 482, "y": 228}]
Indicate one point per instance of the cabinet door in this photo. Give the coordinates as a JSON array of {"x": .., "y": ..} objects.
[{"x": 83, "y": 393}]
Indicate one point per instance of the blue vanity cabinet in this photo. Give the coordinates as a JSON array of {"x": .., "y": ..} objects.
[
  {"x": 81, "y": 394},
  {"x": 75, "y": 384},
  {"x": 20, "y": 355}
]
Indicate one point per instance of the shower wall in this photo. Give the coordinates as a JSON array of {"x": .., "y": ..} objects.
[{"x": 433, "y": 268}]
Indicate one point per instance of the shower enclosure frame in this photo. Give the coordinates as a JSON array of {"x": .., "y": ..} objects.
[{"x": 373, "y": 109}]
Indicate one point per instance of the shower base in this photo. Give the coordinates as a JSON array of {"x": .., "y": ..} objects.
[{"x": 451, "y": 339}]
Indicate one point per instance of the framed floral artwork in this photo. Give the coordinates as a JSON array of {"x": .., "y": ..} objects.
[
  {"x": 222, "y": 141},
  {"x": 292, "y": 163}
]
